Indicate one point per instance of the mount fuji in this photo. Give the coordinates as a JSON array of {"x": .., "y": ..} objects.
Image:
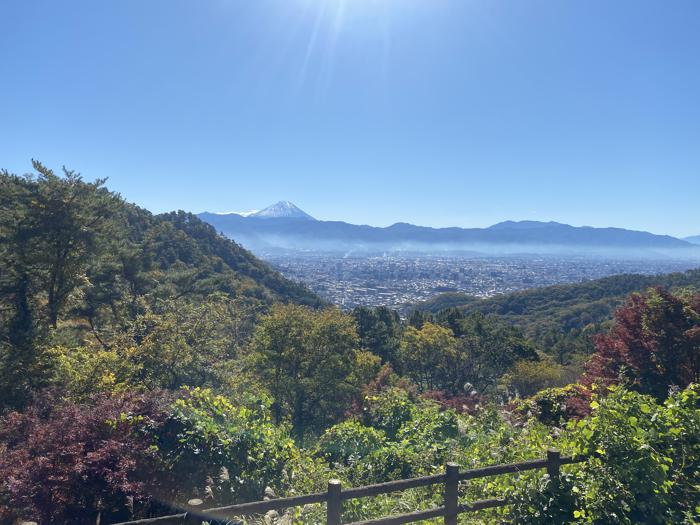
[{"x": 279, "y": 210}]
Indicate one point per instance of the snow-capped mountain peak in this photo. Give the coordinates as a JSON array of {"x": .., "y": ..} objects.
[{"x": 282, "y": 209}]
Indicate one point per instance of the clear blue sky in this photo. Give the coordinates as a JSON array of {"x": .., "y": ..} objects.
[{"x": 435, "y": 112}]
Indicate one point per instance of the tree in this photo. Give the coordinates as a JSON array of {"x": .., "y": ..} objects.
[
  {"x": 63, "y": 226},
  {"x": 654, "y": 344},
  {"x": 228, "y": 452},
  {"x": 185, "y": 343},
  {"x": 427, "y": 354},
  {"x": 51, "y": 229},
  {"x": 18, "y": 321},
  {"x": 487, "y": 349},
  {"x": 379, "y": 331},
  {"x": 180, "y": 343},
  {"x": 305, "y": 359},
  {"x": 417, "y": 318}
]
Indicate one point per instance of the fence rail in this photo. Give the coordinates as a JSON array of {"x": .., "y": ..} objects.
[{"x": 335, "y": 495}]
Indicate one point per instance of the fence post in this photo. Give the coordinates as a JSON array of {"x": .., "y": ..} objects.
[
  {"x": 334, "y": 503},
  {"x": 553, "y": 462},
  {"x": 451, "y": 493}
]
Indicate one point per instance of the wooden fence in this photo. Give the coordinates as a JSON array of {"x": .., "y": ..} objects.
[{"x": 335, "y": 495}]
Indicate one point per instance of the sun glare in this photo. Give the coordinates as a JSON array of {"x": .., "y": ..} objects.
[{"x": 329, "y": 23}]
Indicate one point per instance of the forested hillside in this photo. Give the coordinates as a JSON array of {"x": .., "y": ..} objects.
[
  {"x": 564, "y": 306},
  {"x": 82, "y": 267},
  {"x": 146, "y": 361},
  {"x": 561, "y": 318}
]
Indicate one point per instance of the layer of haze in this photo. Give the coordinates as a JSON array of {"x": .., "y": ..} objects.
[{"x": 435, "y": 112}]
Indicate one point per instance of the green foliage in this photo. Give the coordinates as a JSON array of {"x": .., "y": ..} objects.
[
  {"x": 199, "y": 246},
  {"x": 83, "y": 371},
  {"x": 51, "y": 229},
  {"x": 63, "y": 224},
  {"x": 488, "y": 348},
  {"x": 547, "y": 501},
  {"x": 648, "y": 458},
  {"x": 429, "y": 426},
  {"x": 388, "y": 411},
  {"x": 182, "y": 343},
  {"x": 305, "y": 359},
  {"x": 551, "y": 405},
  {"x": 178, "y": 343},
  {"x": 83, "y": 269},
  {"x": 379, "y": 331},
  {"x": 462, "y": 353},
  {"x": 432, "y": 434},
  {"x": 643, "y": 467},
  {"x": 427, "y": 354},
  {"x": 349, "y": 441},
  {"x": 366, "y": 368},
  {"x": 422, "y": 438},
  {"x": 529, "y": 377},
  {"x": 222, "y": 451},
  {"x": 560, "y": 319}
]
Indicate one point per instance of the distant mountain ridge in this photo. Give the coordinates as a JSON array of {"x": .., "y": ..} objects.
[
  {"x": 693, "y": 239},
  {"x": 523, "y": 225},
  {"x": 283, "y": 226}
]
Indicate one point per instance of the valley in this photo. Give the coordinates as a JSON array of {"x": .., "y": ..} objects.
[{"x": 398, "y": 281}]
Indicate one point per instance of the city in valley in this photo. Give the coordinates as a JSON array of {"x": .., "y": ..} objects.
[{"x": 400, "y": 281}]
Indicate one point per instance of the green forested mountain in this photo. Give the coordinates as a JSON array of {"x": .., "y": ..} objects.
[
  {"x": 560, "y": 320},
  {"x": 68, "y": 245},
  {"x": 563, "y": 307},
  {"x": 80, "y": 267},
  {"x": 199, "y": 245}
]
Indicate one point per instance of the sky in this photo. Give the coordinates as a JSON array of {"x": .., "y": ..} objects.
[{"x": 434, "y": 112}]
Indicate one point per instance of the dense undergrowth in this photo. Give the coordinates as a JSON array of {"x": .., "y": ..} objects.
[{"x": 122, "y": 455}]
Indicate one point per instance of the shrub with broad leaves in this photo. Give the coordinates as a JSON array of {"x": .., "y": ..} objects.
[
  {"x": 643, "y": 466},
  {"x": 224, "y": 452}
]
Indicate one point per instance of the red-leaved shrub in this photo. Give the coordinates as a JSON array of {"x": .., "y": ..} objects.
[
  {"x": 62, "y": 462},
  {"x": 653, "y": 345}
]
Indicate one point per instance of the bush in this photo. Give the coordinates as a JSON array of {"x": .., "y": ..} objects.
[
  {"x": 62, "y": 462},
  {"x": 388, "y": 411},
  {"x": 529, "y": 377},
  {"x": 85, "y": 371},
  {"x": 555, "y": 406},
  {"x": 546, "y": 501},
  {"x": 349, "y": 441},
  {"x": 430, "y": 427},
  {"x": 649, "y": 454},
  {"x": 223, "y": 452},
  {"x": 643, "y": 466}
]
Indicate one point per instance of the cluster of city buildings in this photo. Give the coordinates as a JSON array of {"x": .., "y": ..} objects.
[{"x": 398, "y": 281}]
